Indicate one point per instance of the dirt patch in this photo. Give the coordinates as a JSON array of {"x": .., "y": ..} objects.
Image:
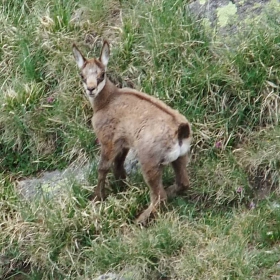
[{"x": 262, "y": 182}]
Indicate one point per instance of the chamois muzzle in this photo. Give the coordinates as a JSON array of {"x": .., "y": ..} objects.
[{"x": 90, "y": 90}]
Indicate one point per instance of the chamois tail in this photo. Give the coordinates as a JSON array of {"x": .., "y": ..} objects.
[{"x": 184, "y": 131}]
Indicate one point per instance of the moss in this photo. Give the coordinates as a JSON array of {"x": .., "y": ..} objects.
[
  {"x": 225, "y": 13},
  {"x": 202, "y": 2}
]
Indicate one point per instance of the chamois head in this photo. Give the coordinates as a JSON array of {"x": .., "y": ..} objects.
[{"x": 93, "y": 71}]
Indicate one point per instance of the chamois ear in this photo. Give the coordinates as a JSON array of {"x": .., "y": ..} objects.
[
  {"x": 105, "y": 53},
  {"x": 78, "y": 56}
]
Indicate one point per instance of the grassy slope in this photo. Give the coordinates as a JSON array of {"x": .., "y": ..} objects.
[{"x": 220, "y": 230}]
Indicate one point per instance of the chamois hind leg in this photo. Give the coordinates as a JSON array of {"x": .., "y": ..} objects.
[
  {"x": 118, "y": 168},
  {"x": 153, "y": 177},
  {"x": 181, "y": 177},
  {"x": 106, "y": 160}
]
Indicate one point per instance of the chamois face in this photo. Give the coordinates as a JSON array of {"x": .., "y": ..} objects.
[
  {"x": 93, "y": 77},
  {"x": 93, "y": 71}
]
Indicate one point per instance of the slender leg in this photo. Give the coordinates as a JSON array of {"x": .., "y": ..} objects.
[
  {"x": 181, "y": 177},
  {"x": 106, "y": 159},
  {"x": 118, "y": 168},
  {"x": 153, "y": 177}
]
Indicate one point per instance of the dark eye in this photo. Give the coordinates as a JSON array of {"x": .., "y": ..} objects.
[
  {"x": 101, "y": 77},
  {"x": 83, "y": 78}
]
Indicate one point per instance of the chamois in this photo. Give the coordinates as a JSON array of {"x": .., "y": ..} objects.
[{"x": 126, "y": 119}]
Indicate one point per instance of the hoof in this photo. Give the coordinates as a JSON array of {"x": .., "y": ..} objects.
[
  {"x": 175, "y": 190},
  {"x": 172, "y": 191},
  {"x": 144, "y": 217},
  {"x": 97, "y": 196}
]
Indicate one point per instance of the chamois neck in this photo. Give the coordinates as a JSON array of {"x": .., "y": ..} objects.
[{"x": 104, "y": 96}]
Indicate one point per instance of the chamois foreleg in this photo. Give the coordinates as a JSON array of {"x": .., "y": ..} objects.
[{"x": 106, "y": 160}]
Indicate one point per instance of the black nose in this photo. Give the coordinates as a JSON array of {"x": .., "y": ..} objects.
[{"x": 91, "y": 89}]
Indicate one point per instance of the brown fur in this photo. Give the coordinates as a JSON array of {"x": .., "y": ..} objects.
[
  {"x": 126, "y": 118},
  {"x": 159, "y": 104}
]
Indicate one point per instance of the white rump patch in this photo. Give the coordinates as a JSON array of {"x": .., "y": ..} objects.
[{"x": 177, "y": 151}]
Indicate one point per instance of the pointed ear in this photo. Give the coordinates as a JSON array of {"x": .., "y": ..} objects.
[
  {"x": 78, "y": 56},
  {"x": 105, "y": 53}
]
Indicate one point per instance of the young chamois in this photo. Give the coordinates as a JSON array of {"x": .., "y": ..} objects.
[{"x": 126, "y": 118}]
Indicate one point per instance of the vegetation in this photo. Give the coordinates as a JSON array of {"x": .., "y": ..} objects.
[{"x": 226, "y": 227}]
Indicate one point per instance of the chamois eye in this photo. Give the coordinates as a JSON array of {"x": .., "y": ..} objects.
[
  {"x": 101, "y": 77},
  {"x": 83, "y": 78}
]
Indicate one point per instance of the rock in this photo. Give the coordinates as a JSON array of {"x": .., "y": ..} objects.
[
  {"x": 131, "y": 164},
  {"x": 51, "y": 183},
  {"x": 228, "y": 16},
  {"x": 110, "y": 276}
]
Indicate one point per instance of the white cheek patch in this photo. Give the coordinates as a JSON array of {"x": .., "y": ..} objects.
[
  {"x": 177, "y": 151},
  {"x": 99, "y": 87}
]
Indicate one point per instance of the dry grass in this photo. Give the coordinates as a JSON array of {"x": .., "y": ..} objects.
[{"x": 225, "y": 227}]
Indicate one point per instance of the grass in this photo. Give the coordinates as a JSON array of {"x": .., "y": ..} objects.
[{"x": 226, "y": 226}]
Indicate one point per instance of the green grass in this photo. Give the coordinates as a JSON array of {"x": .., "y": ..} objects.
[{"x": 225, "y": 227}]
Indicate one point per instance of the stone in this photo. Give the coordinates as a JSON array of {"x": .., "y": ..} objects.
[
  {"x": 51, "y": 183},
  {"x": 110, "y": 276},
  {"x": 228, "y": 16},
  {"x": 131, "y": 164}
]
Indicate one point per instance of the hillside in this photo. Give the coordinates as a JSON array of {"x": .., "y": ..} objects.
[{"x": 227, "y": 226}]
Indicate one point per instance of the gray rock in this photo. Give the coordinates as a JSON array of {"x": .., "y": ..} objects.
[
  {"x": 51, "y": 183},
  {"x": 228, "y": 16},
  {"x": 110, "y": 276},
  {"x": 131, "y": 163}
]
